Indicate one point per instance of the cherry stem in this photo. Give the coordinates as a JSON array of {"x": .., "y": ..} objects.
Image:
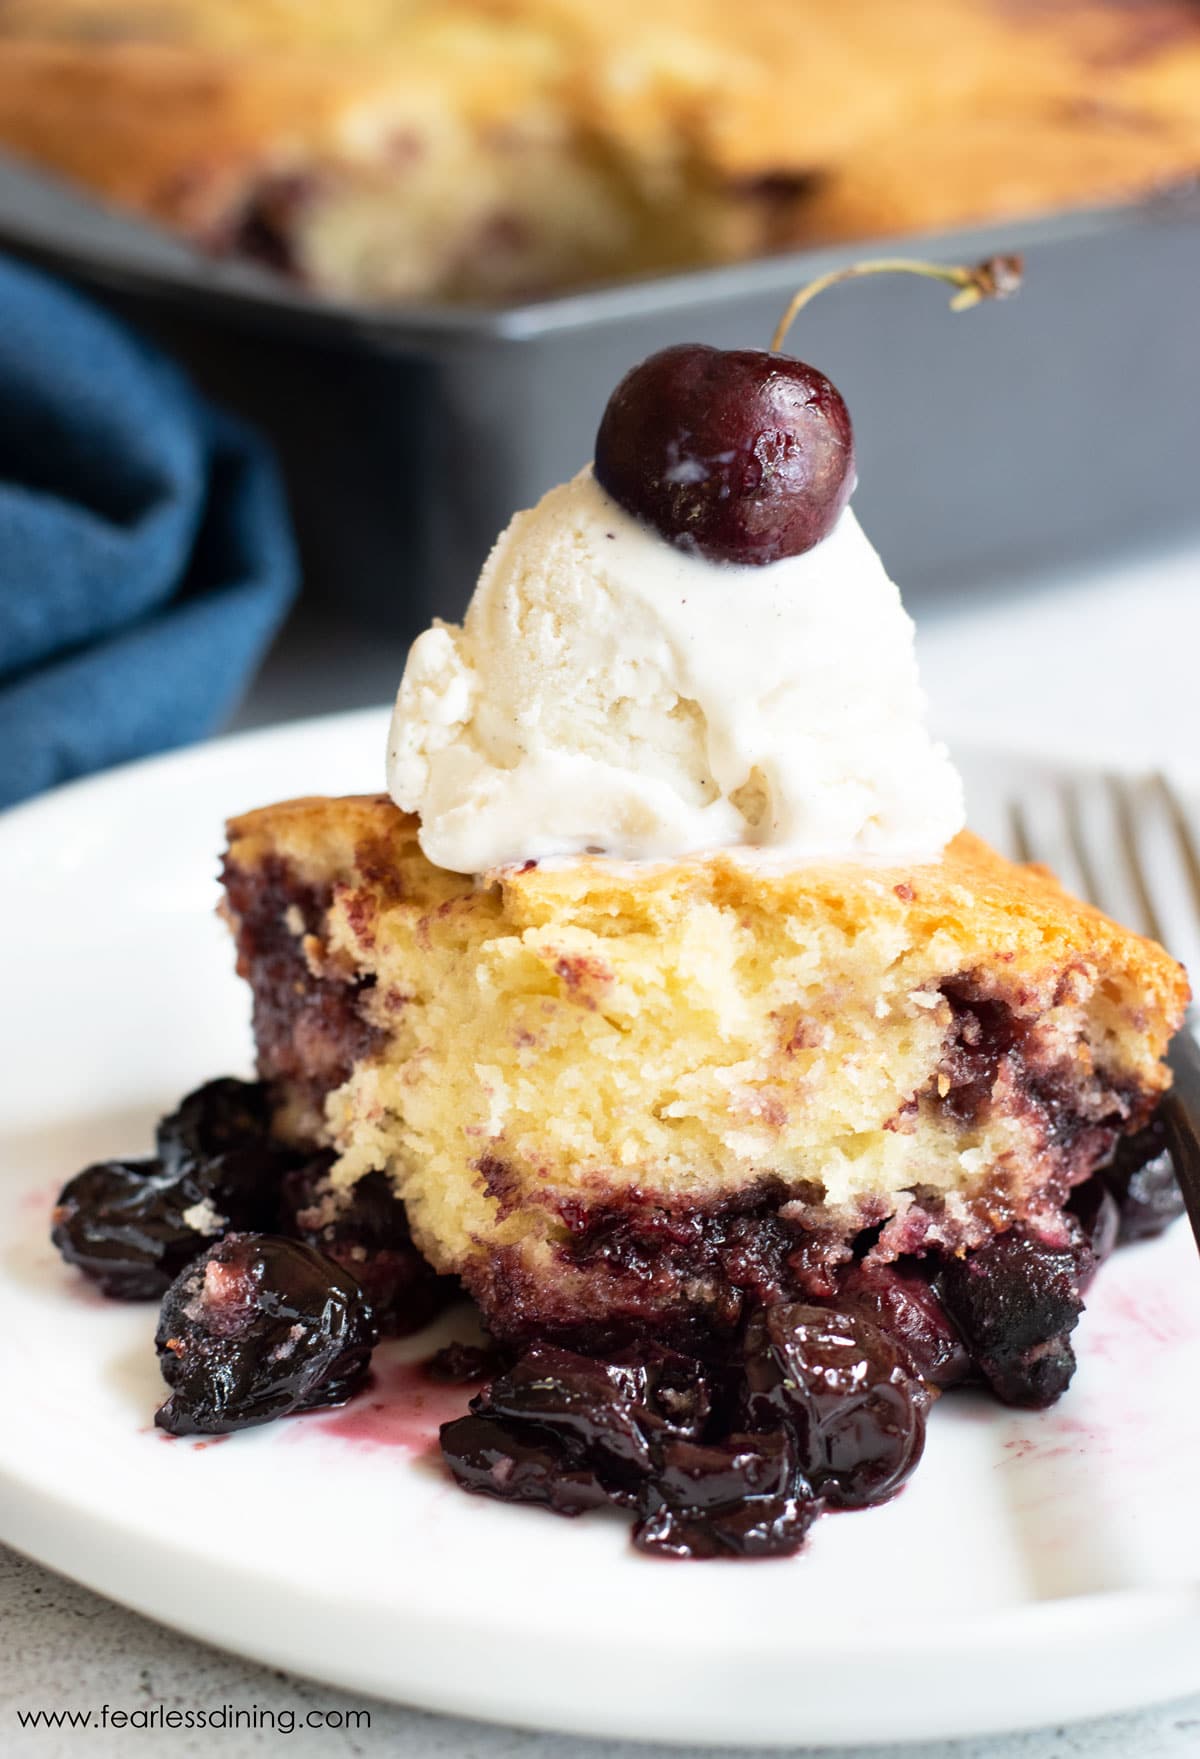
[{"x": 994, "y": 278}]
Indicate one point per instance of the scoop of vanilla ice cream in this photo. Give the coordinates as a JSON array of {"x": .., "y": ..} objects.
[{"x": 610, "y": 693}]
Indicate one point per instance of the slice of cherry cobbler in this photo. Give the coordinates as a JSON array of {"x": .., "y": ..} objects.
[{"x": 665, "y": 1007}]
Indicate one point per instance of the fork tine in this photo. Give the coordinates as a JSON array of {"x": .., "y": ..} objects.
[
  {"x": 1085, "y": 854},
  {"x": 1184, "y": 824},
  {"x": 1132, "y": 849},
  {"x": 1042, "y": 832},
  {"x": 1103, "y": 834},
  {"x": 1163, "y": 859},
  {"x": 1127, "y": 798},
  {"x": 1018, "y": 837}
]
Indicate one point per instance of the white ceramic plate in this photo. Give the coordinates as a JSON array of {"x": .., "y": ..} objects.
[{"x": 1037, "y": 1568}]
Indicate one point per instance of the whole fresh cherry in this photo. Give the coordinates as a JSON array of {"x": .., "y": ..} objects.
[
  {"x": 734, "y": 454},
  {"x": 747, "y": 455}
]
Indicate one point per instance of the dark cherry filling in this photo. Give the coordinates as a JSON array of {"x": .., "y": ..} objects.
[
  {"x": 256, "y": 1328},
  {"x": 1080, "y": 1120},
  {"x": 366, "y": 1231},
  {"x": 121, "y": 1223},
  {"x": 463, "y": 1364},
  {"x": 309, "y": 1028},
  {"x": 492, "y": 1458},
  {"x": 983, "y": 1033},
  {"x": 1141, "y": 1179},
  {"x": 222, "y": 1119},
  {"x": 607, "y": 1416},
  {"x": 807, "y": 1406},
  {"x": 801, "y": 1382},
  {"x": 571, "y": 1432},
  {"x": 900, "y": 1300},
  {"x": 132, "y": 1225},
  {"x": 1095, "y": 1209},
  {"x": 842, "y": 1391},
  {"x": 1016, "y": 1300},
  {"x": 649, "y": 1254},
  {"x": 731, "y": 1457},
  {"x": 740, "y": 1497},
  {"x": 685, "y": 1275}
]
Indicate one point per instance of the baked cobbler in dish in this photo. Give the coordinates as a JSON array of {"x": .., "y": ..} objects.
[{"x": 391, "y": 150}]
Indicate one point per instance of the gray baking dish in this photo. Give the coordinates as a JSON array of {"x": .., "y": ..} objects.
[{"x": 1048, "y": 431}]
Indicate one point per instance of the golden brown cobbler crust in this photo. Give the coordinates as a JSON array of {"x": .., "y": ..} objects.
[{"x": 1019, "y": 914}]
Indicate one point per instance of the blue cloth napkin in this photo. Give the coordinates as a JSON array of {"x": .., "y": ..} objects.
[{"x": 146, "y": 557}]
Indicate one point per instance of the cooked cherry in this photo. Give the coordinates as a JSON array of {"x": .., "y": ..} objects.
[
  {"x": 518, "y": 1463},
  {"x": 843, "y": 1391},
  {"x": 366, "y": 1230},
  {"x": 132, "y": 1225},
  {"x": 1016, "y": 1301},
  {"x": 570, "y": 1426},
  {"x": 1142, "y": 1179},
  {"x": 220, "y": 1134},
  {"x": 741, "y": 1497},
  {"x": 608, "y": 1413},
  {"x": 223, "y": 1115},
  {"x": 559, "y": 1429},
  {"x": 460, "y": 1364},
  {"x": 759, "y": 1527},
  {"x": 699, "y": 1476},
  {"x": 120, "y": 1224},
  {"x": 256, "y": 1328},
  {"x": 737, "y": 455},
  {"x": 1096, "y": 1210},
  {"x": 903, "y": 1304}
]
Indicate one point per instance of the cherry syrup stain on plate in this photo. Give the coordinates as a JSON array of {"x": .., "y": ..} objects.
[
  {"x": 195, "y": 1443},
  {"x": 1122, "y": 1442},
  {"x": 400, "y": 1407},
  {"x": 1058, "y": 1437},
  {"x": 1151, "y": 1315}
]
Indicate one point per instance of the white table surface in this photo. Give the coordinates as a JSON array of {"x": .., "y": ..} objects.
[{"x": 1103, "y": 668}]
